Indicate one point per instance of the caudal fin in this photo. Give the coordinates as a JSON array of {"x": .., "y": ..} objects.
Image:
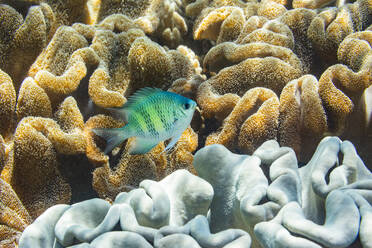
[{"x": 113, "y": 136}]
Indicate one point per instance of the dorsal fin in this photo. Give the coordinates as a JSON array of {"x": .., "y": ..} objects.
[
  {"x": 123, "y": 112},
  {"x": 140, "y": 95}
]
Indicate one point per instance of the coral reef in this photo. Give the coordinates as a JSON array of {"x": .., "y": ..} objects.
[
  {"x": 50, "y": 68},
  {"x": 221, "y": 24},
  {"x": 301, "y": 116},
  {"x": 117, "y": 63},
  {"x": 341, "y": 86},
  {"x": 253, "y": 121},
  {"x": 130, "y": 170},
  {"x": 32, "y": 100},
  {"x": 329, "y": 28},
  {"x": 23, "y": 37},
  {"x": 7, "y": 103},
  {"x": 259, "y": 56},
  {"x": 292, "y": 71},
  {"x": 14, "y": 217},
  {"x": 258, "y": 200},
  {"x": 177, "y": 205},
  {"x": 291, "y": 207},
  {"x": 36, "y": 142},
  {"x": 161, "y": 19}
]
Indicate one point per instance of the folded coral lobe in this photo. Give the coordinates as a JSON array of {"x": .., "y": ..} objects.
[{"x": 7, "y": 103}]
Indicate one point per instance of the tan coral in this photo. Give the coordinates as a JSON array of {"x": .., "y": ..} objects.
[
  {"x": 132, "y": 9},
  {"x": 172, "y": 26},
  {"x": 310, "y": 4},
  {"x": 32, "y": 100},
  {"x": 14, "y": 217},
  {"x": 87, "y": 31},
  {"x": 62, "y": 65},
  {"x": 340, "y": 87},
  {"x": 109, "y": 180},
  {"x": 298, "y": 20},
  {"x": 34, "y": 173},
  {"x": 66, "y": 12},
  {"x": 331, "y": 26},
  {"x": 192, "y": 57},
  {"x": 355, "y": 51},
  {"x": 162, "y": 19},
  {"x": 70, "y": 119},
  {"x": 110, "y": 81},
  {"x": 7, "y": 153},
  {"x": 93, "y": 9},
  {"x": 129, "y": 172},
  {"x": 112, "y": 58},
  {"x": 366, "y": 108},
  {"x": 253, "y": 120},
  {"x": 212, "y": 22},
  {"x": 7, "y": 103},
  {"x": 69, "y": 11},
  {"x": 2, "y": 153},
  {"x": 193, "y": 8},
  {"x": 229, "y": 53},
  {"x": 187, "y": 87},
  {"x": 270, "y": 9},
  {"x": 267, "y": 72},
  {"x": 302, "y": 119},
  {"x": 152, "y": 65},
  {"x": 14, "y": 213},
  {"x": 130, "y": 61},
  {"x": 24, "y": 38},
  {"x": 261, "y": 56},
  {"x": 227, "y": 23},
  {"x": 9, "y": 237},
  {"x": 260, "y": 29},
  {"x": 117, "y": 23},
  {"x": 214, "y": 103}
]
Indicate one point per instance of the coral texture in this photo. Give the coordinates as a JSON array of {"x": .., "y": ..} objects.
[
  {"x": 293, "y": 71},
  {"x": 177, "y": 205},
  {"x": 35, "y": 144},
  {"x": 341, "y": 86},
  {"x": 14, "y": 217},
  {"x": 329, "y": 28},
  {"x": 246, "y": 208},
  {"x": 253, "y": 120},
  {"x": 23, "y": 37},
  {"x": 301, "y": 115},
  {"x": 7, "y": 103},
  {"x": 292, "y": 207}
]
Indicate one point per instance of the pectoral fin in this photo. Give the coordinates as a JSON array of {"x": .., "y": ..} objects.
[
  {"x": 173, "y": 141},
  {"x": 141, "y": 146}
]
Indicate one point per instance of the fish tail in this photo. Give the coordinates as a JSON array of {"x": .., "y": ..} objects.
[{"x": 113, "y": 136}]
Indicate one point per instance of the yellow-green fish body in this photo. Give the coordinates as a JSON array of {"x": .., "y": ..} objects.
[{"x": 152, "y": 115}]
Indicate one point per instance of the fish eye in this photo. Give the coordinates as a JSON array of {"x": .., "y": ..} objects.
[{"x": 186, "y": 105}]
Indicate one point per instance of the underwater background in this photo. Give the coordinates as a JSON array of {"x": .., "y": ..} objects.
[{"x": 279, "y": 154}]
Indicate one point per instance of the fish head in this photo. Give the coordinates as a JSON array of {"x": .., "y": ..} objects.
[{"x": 188, "y": 108}]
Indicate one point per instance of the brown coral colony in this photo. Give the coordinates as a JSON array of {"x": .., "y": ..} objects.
[{"x": 294, "y": 71}]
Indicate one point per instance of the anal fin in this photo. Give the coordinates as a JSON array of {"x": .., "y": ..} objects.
[
  {"x": 172, "y": 142},
  {"x": 142, "y": 146}
]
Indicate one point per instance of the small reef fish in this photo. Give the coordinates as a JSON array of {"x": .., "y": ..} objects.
[{"x": 152, "y": 115}]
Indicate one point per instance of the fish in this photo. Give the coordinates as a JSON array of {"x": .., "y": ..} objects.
[{"x": 151, "y": 116}]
